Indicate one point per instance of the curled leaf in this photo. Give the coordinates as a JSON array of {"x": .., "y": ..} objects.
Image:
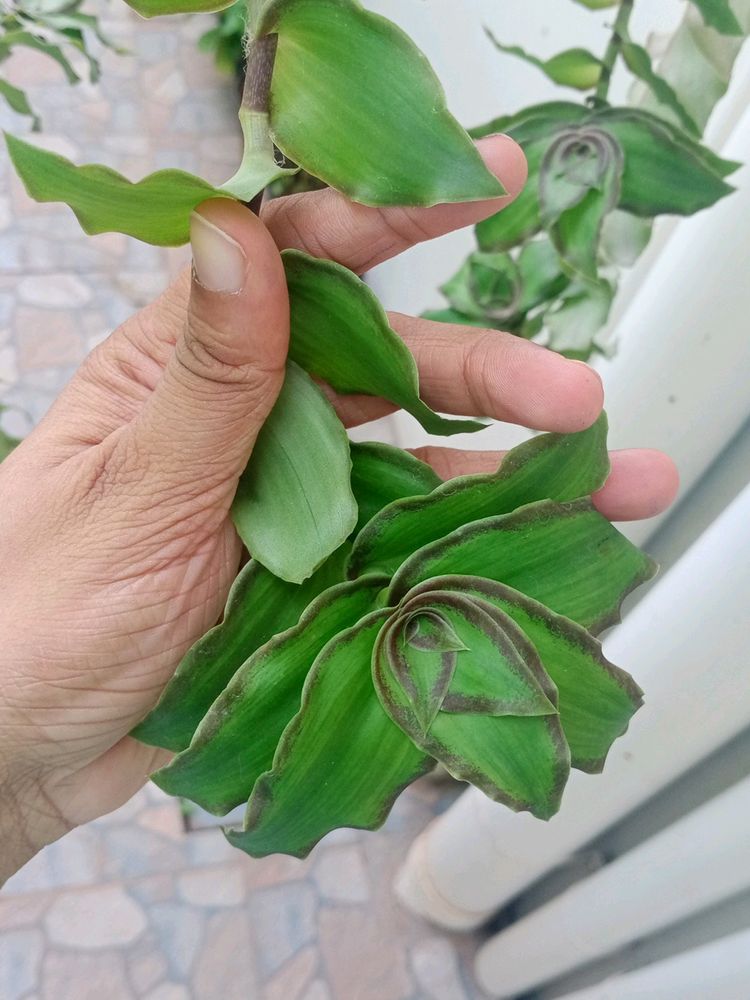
[
  {"x": 155, "y": 210},
  {"x": 479, "y": 711},
  {"x": 341, "y": 761},
  {"x": 576, "y": 68}
]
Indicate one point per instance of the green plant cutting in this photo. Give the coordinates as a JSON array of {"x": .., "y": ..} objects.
[
  {"x": 386, "y": 620},
  {"x": 598, "y": 176}
]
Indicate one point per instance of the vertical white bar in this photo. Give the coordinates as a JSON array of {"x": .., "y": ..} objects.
[
  {"x": 716, "y": 971},
  {"x": 689, "y": 866}
]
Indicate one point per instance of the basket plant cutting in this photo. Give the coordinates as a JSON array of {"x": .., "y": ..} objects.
[{"x": 386, "y": 620}]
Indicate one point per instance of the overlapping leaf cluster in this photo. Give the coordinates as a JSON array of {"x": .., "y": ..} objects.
[
  {"x": 57, "y": 29},
  {"x": 456, "y": 624},
  {"x": 598, "y": 176},
  {"x": 386, "y": 620}
]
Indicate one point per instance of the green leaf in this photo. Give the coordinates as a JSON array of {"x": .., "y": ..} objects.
[
  {"x": 521, "y": 219},
  {"x": 259, "y": 607},
  {"x": 338, "y": 69},
  {"x": 580, "y": 313},
  {"x": 718, "y": 14},
  {"x": 597, "y": 4},
  {"x": 488, "y": 285},
  {"x": 638, "y": 62},
  {"x": 497, "y": 670},
  {"x": 661, "y": 175},
  {"x": 624, "y": 238},
  {"x": 19, "y": 102},
  {"x": 7, "y": 443},
  {"x": 155, "y": 8},
  {"x": 596, "y": 699},
  {"x": 576, "y": 68},
  {"x": 237, "y": 740},
  {"x": 331, "y": 307},
  {"x": 556, "y": 466},
  {"x": 566, "y": 556},
  {"x": 520, "y": 760},
  {"x": 341, "y": 761},
  {"x": 538, "y": 121},
  {"x": 453, "y": 316},
  {"x": 382, "y": 474},
  {"x": 294, "y": 504},
  {"x": 155, "y": 210},
  {"x": 25, "y": 39},
  {"x": 579, "y": 184}
]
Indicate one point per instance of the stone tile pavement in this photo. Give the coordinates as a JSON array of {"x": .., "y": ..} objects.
[{"x": 134, "y": 906}]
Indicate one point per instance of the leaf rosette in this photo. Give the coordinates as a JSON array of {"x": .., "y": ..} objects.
[{"x": 464, "y": 634}]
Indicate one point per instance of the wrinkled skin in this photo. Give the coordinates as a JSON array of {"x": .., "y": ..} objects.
[{"x": 117, "y": 549}]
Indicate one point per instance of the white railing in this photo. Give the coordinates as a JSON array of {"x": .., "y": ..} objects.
[{"x": 680, "y": 381}]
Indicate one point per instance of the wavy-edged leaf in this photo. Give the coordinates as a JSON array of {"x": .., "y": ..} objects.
[
  {"x": 579, "y": 184},
  {"x": 596, "y": 699},
  {"x": 156, "y": 209},
  {"x": 488, "y": 284},
  {"x": 519, "y": 760},
  {"x": 19, "y": 102},
  {"x": 552, "y": 466},
  {"x": 336, "y": 64},
  {"x": 236, "y": 741},
  {"x": 155, "y": 8},
  {"x": 341, "y": 761},
  {"x": 340, "y": 332},
  {"x": 718, "y": 14},
  {"x": 638, "y": 62},
  {"x": 382, "y": 473},
  {"x": 294, "y": 504},
  {"x": 259, "y": 606},
  {"x": 566, "y": 556},
  {"x": 662, "y": 175},
  {"x": 495, "y": 669},
  {"x": 577, "y": 68}
]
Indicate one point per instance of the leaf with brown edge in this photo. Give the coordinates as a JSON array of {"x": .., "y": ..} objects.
[
  {"x": 597, "y": 700},
  {"x": 519, "y": 760},
  {"x": 341, "y": 762},
  {"x": 259, "y": 606},
  {"x": 237, "y": 739},
  {"x": 497, "y": 670},
  {"x": 566, "y": 556},
  {"x": 552, "y": 466}
]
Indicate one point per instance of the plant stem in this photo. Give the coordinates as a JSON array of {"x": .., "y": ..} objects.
[
  {"x": 619, "y": 32},
  {"x": 261, "y": 55}
]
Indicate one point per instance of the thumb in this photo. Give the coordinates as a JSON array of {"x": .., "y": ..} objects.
[{"x": 227, "y": 367}]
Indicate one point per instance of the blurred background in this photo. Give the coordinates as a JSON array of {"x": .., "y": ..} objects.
[{"x": 641, "y": 886}]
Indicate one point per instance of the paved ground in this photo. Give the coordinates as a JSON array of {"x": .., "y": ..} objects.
[{"x": 133, "y": 906}]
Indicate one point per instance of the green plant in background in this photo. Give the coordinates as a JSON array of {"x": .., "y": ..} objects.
[
  {"x": 598, "y": 176},
  {"x": 7, "y": 443},
  {"x": 57, "y": 29},
  {"x": 387, "y": 620}
]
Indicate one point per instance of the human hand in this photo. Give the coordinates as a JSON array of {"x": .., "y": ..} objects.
[{"x": 118, "y": 550}]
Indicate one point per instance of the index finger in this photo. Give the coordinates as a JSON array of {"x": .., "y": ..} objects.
[{"x": 328, "y": 225}]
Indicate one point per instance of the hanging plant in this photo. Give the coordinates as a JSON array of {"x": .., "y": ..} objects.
[{"x": 386, "y": 620}]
